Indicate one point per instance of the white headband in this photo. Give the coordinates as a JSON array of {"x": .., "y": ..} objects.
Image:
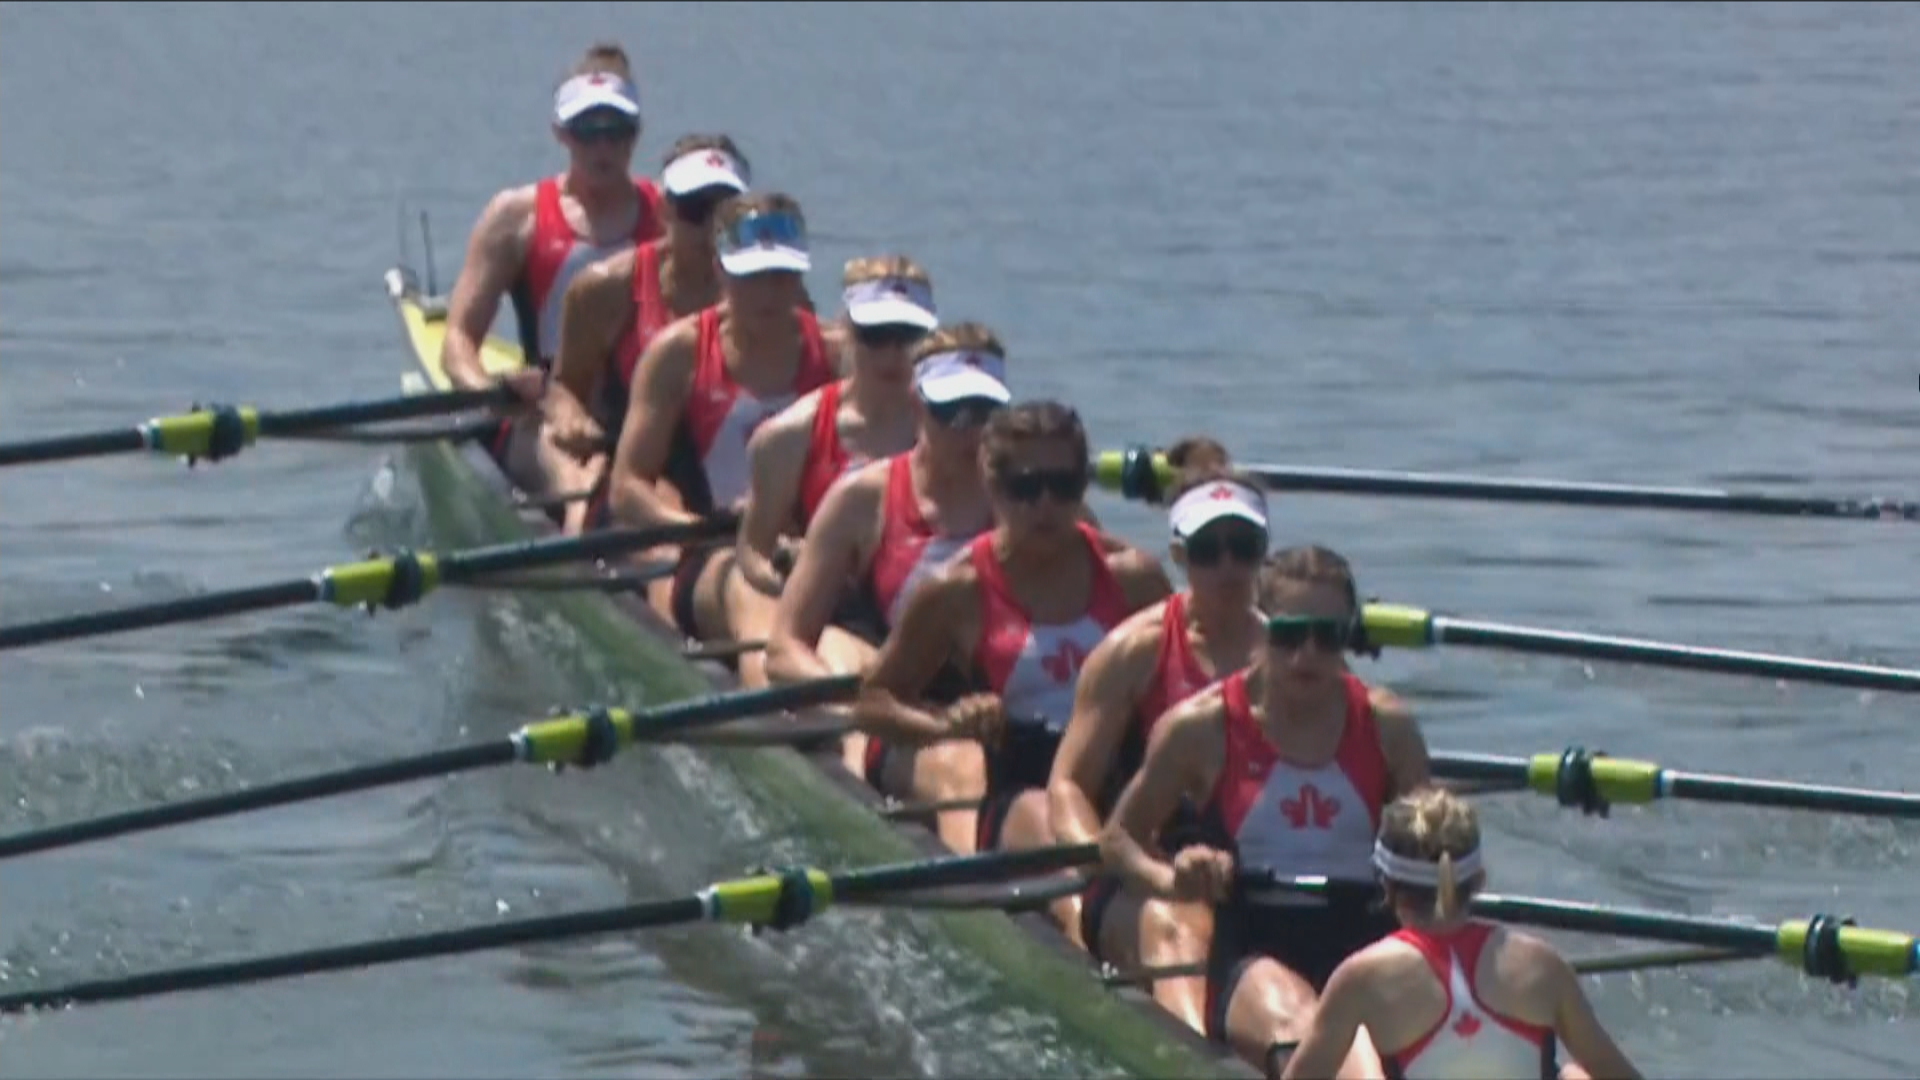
[
  {"x": 1420, "y": 872},
  {"x": 1213, "y": 500}
]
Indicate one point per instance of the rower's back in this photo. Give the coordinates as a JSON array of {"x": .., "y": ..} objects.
[{"x": 1474, "y": 1002}]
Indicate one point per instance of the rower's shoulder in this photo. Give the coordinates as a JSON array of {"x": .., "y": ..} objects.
[
  {"x": 796, "y": 417},
  {"x": 1389, "y": 706},
  {"x": 1199, "y": 715},
  {"x": 1140, "y": 634},
  {"x": 603, "y": 283},
  {"x": 1139, "y": 572},
  {"x": 513, "y": 205}
]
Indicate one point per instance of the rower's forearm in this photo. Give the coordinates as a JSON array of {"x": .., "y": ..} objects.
[
  {"x": 791, "y": 662},
  {"x": 1126, "y": 857},
  {"x": 758, "y": 570},
  {"x": 636, "y": 505},
  {"x": 460, "y": 358},
  {"x": 897, "y": 722},
  {"x": 1075, "y": 821}
]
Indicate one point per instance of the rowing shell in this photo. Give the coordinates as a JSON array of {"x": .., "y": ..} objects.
[{"x": 468, "y": 495}]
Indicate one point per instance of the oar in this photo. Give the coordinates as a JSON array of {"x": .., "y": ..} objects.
[
  {"x": 1394, "y": 625},
  {"x": 1140, "y": 473},
  {"x": 1824, "y": 946},
  {"x": 392, "y": 581},
  {"x": 778, "y": 900},
  {"x": 1591, "y": 780},
  {"x": 1639, "y": 960},
  {"x": 584, "y": 738},
  {"x": 213, "y": 432}
]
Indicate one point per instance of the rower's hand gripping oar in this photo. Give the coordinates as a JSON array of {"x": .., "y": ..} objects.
[
  {"x": 391, "y": 582},
  {"x": 215, "y": 432},
  {"x": 1142, "y": 473},
  {"x": 778, "y": 900},
  {"x": 1823, "y": 946},
  {"x": 582, "y": 739},
  {"x": 1398, "y": 626},
  {"x": 1591, "y": 782}
]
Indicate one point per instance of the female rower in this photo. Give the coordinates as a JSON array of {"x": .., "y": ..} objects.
[
  {"x": 1149, "y": 664},
  {"x": 886, "y": 527},
  {"x": 1291, "y": 761},
  {"x": 1020, "y": 608},
  {"x": 796, "y": 456},
  {"x": 703, "y": 385},
  {"x": 614, "y": 307},
  {"x": 1448, "y": 997}
]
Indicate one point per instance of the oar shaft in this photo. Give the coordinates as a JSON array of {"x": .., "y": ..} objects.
[
  {"x": 338, "y": 782},
  {"x": 404, "y": 407},
  {"x": 361, "y": 954},
  {"x": 1703, "y": 787},
  {"x": 187, "y": 609},
  {"x": 65, "y": 447},
  {"x": 1136, "y": 475}
]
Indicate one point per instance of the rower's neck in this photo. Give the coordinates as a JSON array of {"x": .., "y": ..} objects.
[
  {"x": 878, "y": 401},
  {"x": 1300, "y": 712},
  {"x": 1223, "y": 620},
  {"x": 943, "y": 478},
  {"x": 598, "y": 198},
  {"x": 687, "y": 264},
  {"x": 760, "y": 343}
]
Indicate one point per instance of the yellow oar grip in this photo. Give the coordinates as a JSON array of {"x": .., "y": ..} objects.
[
  {"x": 1398, "y": 626},
  {"x": 1108, "y": 466},
  {"x": 1868, "y": 951},
  {"x": 1617, "y": 780},
  {"x": 367, "y": 582},
  {"x": 756, "y": 899},
  {"x": 191, "y": 434},
  {"x": 563, "y": 739}
]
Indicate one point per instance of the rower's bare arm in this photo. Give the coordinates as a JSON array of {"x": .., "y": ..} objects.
[
  {"x": 593, "y": 314},
  {"x": 660, "y": 383},
  {"x": 1578, "y": 1029},
  {"x": 1142, "y": 579},
  {"x": 1405, "y": 748},
  {"x": 1185, "y": 750},
  {"x": 1336, "y": 1021},
  {"x": 830, "y": 555},
  {"x": 891, "y": 704},
  {"x": 1105, "y": 698},
  {"x": 776, "y": 455},
  {"x": 493, "y": 259}
]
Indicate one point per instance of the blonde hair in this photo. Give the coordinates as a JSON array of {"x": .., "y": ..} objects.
[
  {"x": 960, "y": 337},
  {"x": 881, "y": 267},
  {"x": 1433, "y": 825}
]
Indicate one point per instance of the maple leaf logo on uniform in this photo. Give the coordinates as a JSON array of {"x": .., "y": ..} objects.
[
  {"x": 1064, "y": 662},
  {"x": 1310, "y": 809},
  {"x": 1467, "y": 1026}
]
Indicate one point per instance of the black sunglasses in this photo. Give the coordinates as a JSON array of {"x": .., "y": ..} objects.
[
  {"x": 599, "y": 131},
  {"x": 1242, "y": 543},
  {"x": 1293, "y": 631},
  {"x": 697, "y": 207},
  {"x": 1028, "y": 485},
  {"x": 887, "y": 335},
  {"x": 963, "y": 414}
]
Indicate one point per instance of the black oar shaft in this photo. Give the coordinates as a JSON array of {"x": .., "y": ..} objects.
[
  {"x": 1524, "y": 639},
  {"x": 1779, "y": 793},
  {"x": 338, "y": 782},
  {"x": 361, "y": 954},
  {"x": 405, "y": 407},
  {"x": 188, "y": 609},
  {"x": 64, "y": 447}
]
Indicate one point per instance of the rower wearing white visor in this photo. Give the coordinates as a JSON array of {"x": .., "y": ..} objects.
[
  {"x": 1447, "y": 996},
  {"x": 1017, "y": 611},
  {"x": 1146, "y": 666},
  {"x": 702, "y": 387},
  {"x": 887, "y": 309},
  {"x": 615, "y": 307},
  {"x": 532, "y": 240},
  {"x": 876, "y": 535},
  {"x": 1289, "y": 762}
]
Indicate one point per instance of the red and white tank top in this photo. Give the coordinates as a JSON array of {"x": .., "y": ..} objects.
[
  {"x": 910, "y": 550},
  {"x": 651, "y": 314},
  {"x": 1035, "y": 666},
  {"x": 556, "y": 253},
  {"x": 1470, "y": 1041},
  {"x": 827, "y": 457},
  {"x": 1295, "y": 819},
  {"x": 721, "y": 415},
  {"x": 1177, "y": 672}
]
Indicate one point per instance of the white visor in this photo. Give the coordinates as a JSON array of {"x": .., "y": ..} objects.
[
  {"x": 956, "y": 376},
  {"x": 1420, "y": 872},
  {"x": 597, "y": 91},
  {"x": 891, "y": 301},
  {"x": 1212, "y": 501},
  {"x": 703, "y": 169}
]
